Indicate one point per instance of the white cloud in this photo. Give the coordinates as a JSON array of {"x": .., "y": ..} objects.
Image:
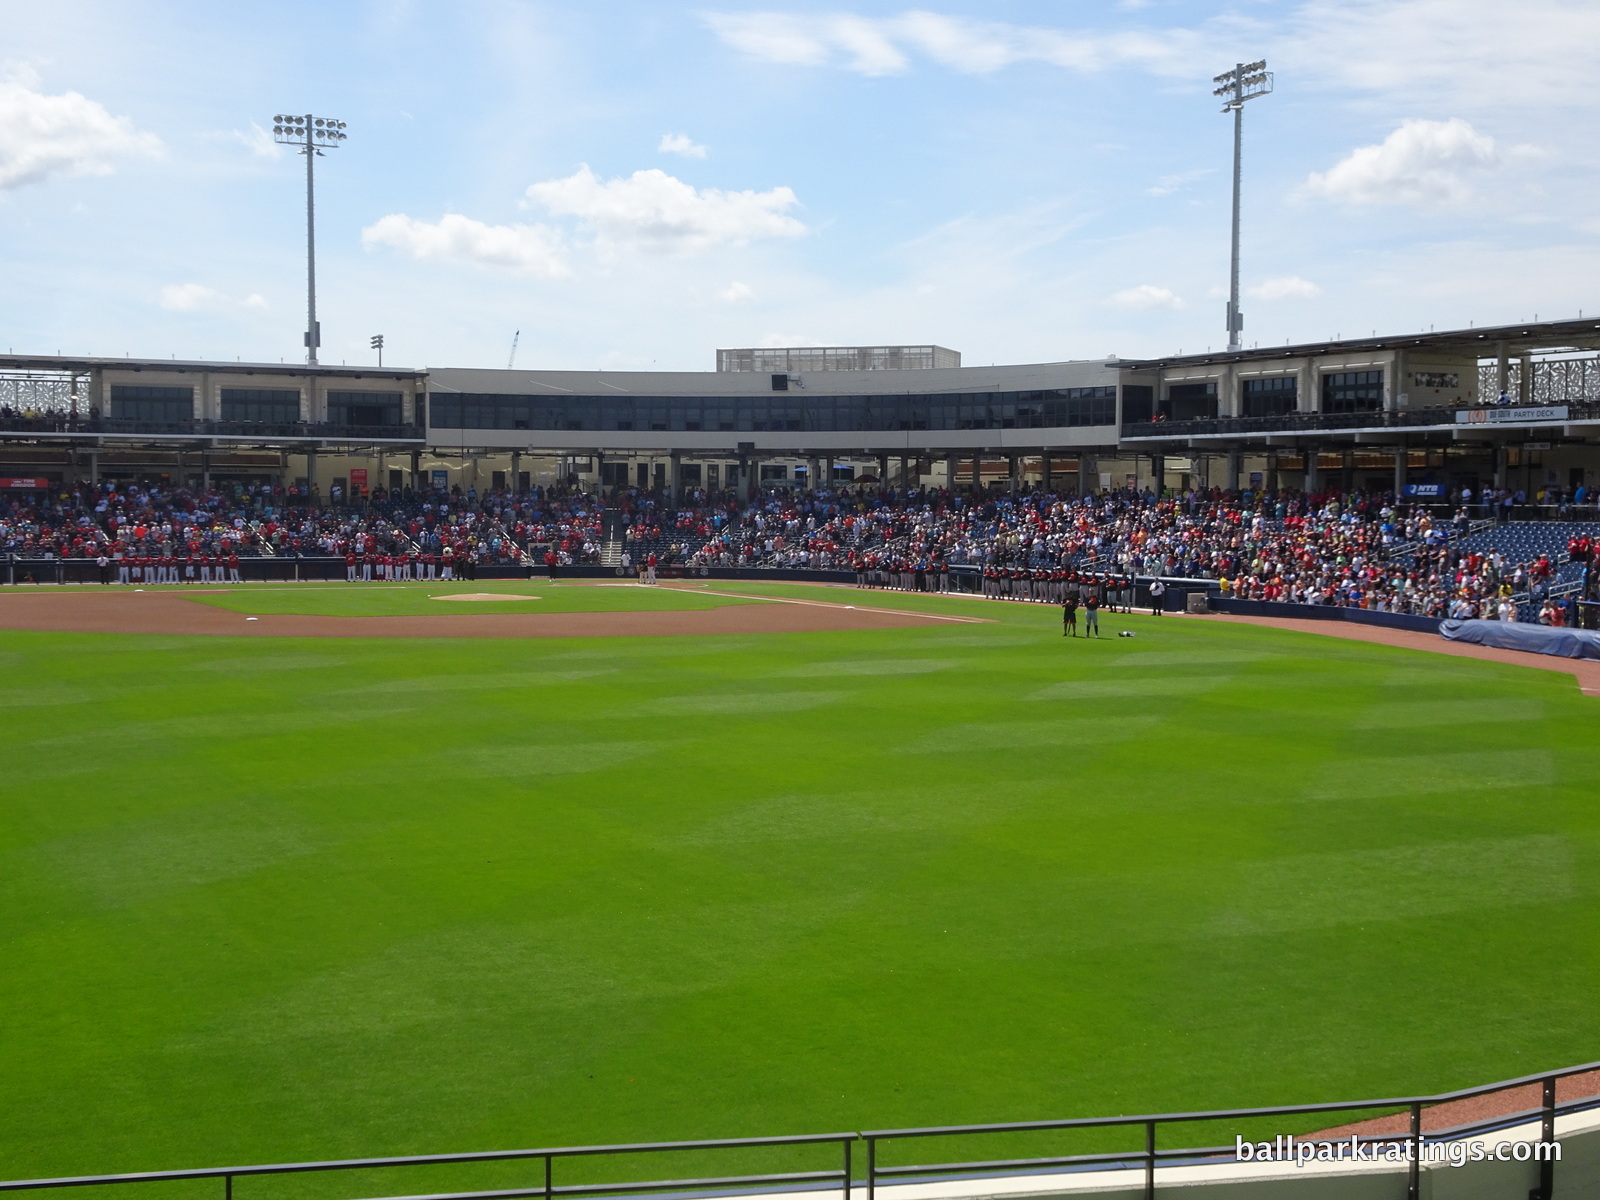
[
  {"x": 884, "y": 45},
  {"x": 258, "y": 141},
  {"x": 1286, "y": 287},
  {"x": 681, "y": 143},
  {"x": 188, "y": 297},
  {"x": 1466, "y": 55},
  {"x": 736, "y": 292},
  {"x": 533, "y": 249},
  {"x": 1146, "y": 296},
  {"x": 196, "y": 297},
  {"x": 1423, "y": 163},
  {"x": 68, "y": 134},
  {"x": 655, "y": 211},
  {"x": 1168, "y": 184}
]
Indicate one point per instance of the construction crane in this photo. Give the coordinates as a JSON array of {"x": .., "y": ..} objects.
[{"x": 512, "y": 361}]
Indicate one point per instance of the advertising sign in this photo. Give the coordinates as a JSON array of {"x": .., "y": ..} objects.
[
  {"x": 1426, "y": 490},
  {"x": 358, "y": 479},
  {"x": 1510, "y": 415},
  {"x": 441, "y": 480},
  {"x": 31, "y": 484}
]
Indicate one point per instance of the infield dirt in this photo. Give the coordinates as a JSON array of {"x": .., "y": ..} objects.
[{"x": 105, "y": 611}]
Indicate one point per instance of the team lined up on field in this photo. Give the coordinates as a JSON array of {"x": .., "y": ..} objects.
[{"x": 390, "y": 568}]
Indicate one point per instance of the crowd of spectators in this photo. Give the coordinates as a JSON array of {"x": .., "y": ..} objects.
[
  {"x": 1356, "y": 549},
  {"x": 123, "y": 520}
]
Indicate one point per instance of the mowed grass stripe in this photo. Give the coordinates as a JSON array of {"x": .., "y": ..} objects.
[{"x": 350, "y": 903}]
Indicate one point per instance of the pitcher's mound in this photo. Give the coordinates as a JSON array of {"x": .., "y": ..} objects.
[{"x": 485, "y": 596}]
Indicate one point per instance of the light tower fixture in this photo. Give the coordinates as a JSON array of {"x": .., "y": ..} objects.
[
  {"x": 1245, "y": 82},
  {"x": 312, "y": 135},
  {"x": 377, "y": 344}
]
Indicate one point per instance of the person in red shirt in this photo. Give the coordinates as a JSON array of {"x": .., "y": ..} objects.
[
  {"x": 349, "y": 567},
  {"x": 233, "y": 569}
]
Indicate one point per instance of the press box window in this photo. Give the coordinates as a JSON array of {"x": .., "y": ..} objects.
[
  {"x": 1352, "y": 391},
  {"x": 137, "y": 403},
  {"x": 267, "y": 406},
  {"x": 364, "y": 408},
  {"x": 1271, "y": 397},
  {"x": 1191, "y": 401}
]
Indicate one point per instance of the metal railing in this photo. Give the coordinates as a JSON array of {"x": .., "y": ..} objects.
[
  {"x": 46, "y": 423},
  {"x": 1312, "y": 422},
  {"x": 1151, "y": 1155},
  {"x": 1147, "y": 1158},
  {"x": 546, "y": 1186}
]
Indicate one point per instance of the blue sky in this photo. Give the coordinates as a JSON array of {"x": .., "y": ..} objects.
[{"x": 634, "y": 184}]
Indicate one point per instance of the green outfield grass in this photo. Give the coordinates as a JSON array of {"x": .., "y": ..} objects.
[
  {"x": 275, "y": 900},
  {"x": 422, "y": 599}
]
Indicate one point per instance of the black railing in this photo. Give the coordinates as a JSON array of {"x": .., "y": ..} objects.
[
  {"x": 1302, "y": 422},
  {"x": 1145, "y": 1158},
  {"x": 119, "y": 426},
  {"x": 544, "y": 1186},
  {"x": 1151, "y": 1155}
]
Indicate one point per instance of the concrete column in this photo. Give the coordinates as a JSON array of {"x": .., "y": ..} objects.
[
  {"x": 1400, "y": 472},
  {"x": 1086, "y": 469},
  {"x": 1235, "y": 467},
  {"x": 950, "y": 470},
  {"x": 416, "y": 469},
  {"x": 516, "y": 468},
  {"x": 674, "y": 475},
  {"x": 1499, "y": 464},
  {"x": 813, "y": 472},
  {"x": 1044, "y": 467},
  {"x": 311, "y": 471},
  {"x": 1158, "y": 473},
  {"x": 1502, "y": 374},
  {"x": 1311, "y": 481},
  {"x": 205, "y": 470},
  {"x": 1397, "y": 384},
  {"x": 977, "y": 469},
  {"x": 1347, "y": 470},
  {"x": 1272, "y": 480},
  {"x": 1306, "y": 398},
  {"x": 883, "y": 470},
  {"x": 1525, "y": 380},
  {"x": 1015, "y": 463}
]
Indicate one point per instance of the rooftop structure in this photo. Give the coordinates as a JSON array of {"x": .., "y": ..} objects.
[{"x": 778, "y": 359}]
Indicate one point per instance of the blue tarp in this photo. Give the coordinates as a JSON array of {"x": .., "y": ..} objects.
[{"x": 1514, "y": 635}]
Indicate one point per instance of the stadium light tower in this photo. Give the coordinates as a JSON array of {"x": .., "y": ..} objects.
[
  {"x": 1245, "y": 82},
  {"x": 312, "y": 135}
]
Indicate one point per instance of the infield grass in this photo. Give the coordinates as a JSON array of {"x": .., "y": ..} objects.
[{"x": 275, "y": 900}]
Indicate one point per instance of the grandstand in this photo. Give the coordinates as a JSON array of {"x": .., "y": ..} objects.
[{"x": 1514, "y": 407}]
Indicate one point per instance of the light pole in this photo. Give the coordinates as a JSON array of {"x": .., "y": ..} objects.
[
  {"x": 377, "y": 344},
  {"x": 1245, "y": 82},
  {"x": 312, "y": 135}
]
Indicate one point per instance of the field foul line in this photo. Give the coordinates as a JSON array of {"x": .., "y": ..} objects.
[{"x": 898, "y": 612}]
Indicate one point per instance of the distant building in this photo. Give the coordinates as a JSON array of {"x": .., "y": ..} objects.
[{"x": 794, "y": 359}]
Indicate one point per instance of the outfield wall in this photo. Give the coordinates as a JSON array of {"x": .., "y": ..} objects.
[{"x": 1323, "y": 612}]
